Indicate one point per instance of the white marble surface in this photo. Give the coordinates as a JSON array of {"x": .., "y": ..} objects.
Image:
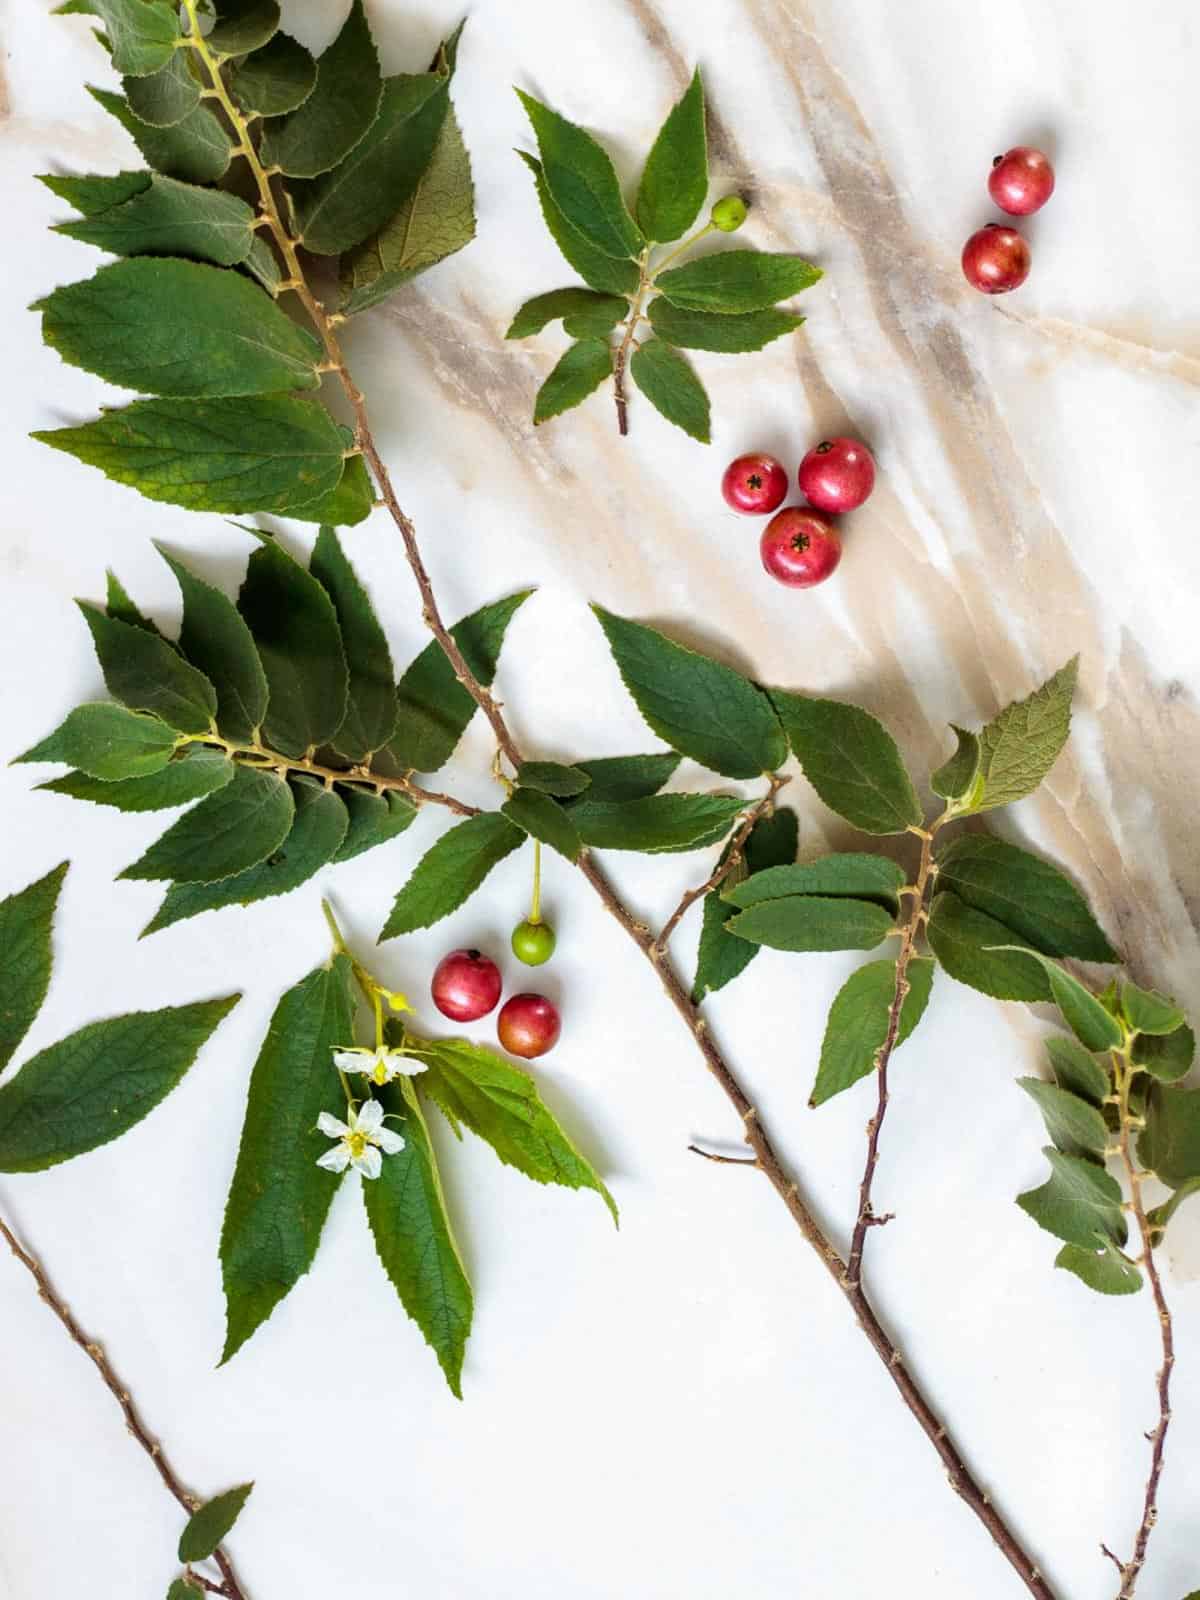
[{"x": 685, "y": 1407}]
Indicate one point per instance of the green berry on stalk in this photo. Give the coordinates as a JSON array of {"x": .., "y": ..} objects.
[
  {"x": 533, "y": 942},
  {"x": 729, "y": 214}
]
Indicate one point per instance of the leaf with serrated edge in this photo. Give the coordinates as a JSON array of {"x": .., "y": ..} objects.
[
  {"x": 209, "y": 1524},
  {"x": 655, "y": 822},
  {"x": 1075, "y": 1125},
  {"x": 146, "y": 674},
  {"x": 119, "y": 604},
  {"x": 672, "y": 388},
  {"x": 167, "y": 217},
  {"x": 858, "y": 1022},
  {"x": 196, "y": 150},
  {"x": 350, "y": 501},
  {"x": 1147, "y": 1011},
  {"x": 955, "y": 778},
  {"x": 1167, "y": 1057},
  {"x": 814, "y": 922},
  {"x": 1020, "y": 745},
  {"x": 450, "y": 872},
  {"x": 967, "y": 942},
  {"x": 578, "y": 373},
  {"x": 583, "y": 182},
  {"x": 107, "y": 742},
  {"x": 857, "y": 873},
  {"x": 275, "y": 79},
  {"x": 727, "y": 335},
  {"x": 735, "y": 281},
  {"x": 1025, "y": 893},
  {"x": 189, "y": 777},
  {"x": 599, "y": 271},
  {"x": 721, "y": 957},
  {"x": 1169, "y": 1144},
  {"x": 92, "y": 193},
  {"x": 628, "y": 777},
  {"x": 165, "y": 97},
  {"x": 141, "y": 33},
  {"x": 373, "y": 819},
  {"x": 544, "y": 309},
  {"x": 1088, "y": 1020},
  {"x": 540, "y": 816},
  {"x": 99, "y": 1082},
  {"x": 851, "y": 761},
  {"x": 338, "y": 112},
  {"x": 553, "y": 777},
  {"x": 26, "y": 956},
  {"x": 279, "y": 1197},
  {"x": 234, "y": 828},
  {"x": 371, "y": 709},
  {"x": 214, "y": 637},
  {"x": 242, "y": 26},
  {"x": 675, "y": 178},
  {"x": 1077, "y": 1202},
  {"x": 1104, "y": 1269},
  {"x": 1076, "y": 1069}
]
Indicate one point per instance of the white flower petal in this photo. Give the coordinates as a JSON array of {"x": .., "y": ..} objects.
[
  {"x": 388, "y": 1141},
  {"x": 335, "y": 1159},
  {"x": 369, "y": 1117},
  {"x": 413, "y": 1065},
  {"x": 352, "y": 1060},
  {"x": 370, "y": 1163},
  {"x": 331, "y": 1126}
]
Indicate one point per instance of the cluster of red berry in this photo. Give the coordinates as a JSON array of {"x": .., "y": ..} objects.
[
  {"x": 801, "y": 546},
  {"x": 466, "y": 986},
  {"x": 997, "y": 259}
]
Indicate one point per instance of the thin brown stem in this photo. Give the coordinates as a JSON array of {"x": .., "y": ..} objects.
[
  {"x": 723, "y": 1160},
  {"x": 230, "y": 1584},
  {"x": 621, "y": 353}
]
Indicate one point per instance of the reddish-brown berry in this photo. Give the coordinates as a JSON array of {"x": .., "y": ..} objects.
[
  {"x": 466, "y": 985},
  {"x": 754, "y": 483},
  {"x": 838, "y": 475},
  {"x": 528, "y": 1025},
  {"x": 800, "y": 547},
  {"x": 1021, "y": 181},
  {"x": 996, "y": 259}
]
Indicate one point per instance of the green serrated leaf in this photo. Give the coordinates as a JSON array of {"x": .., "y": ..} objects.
[
  {"x": 275, "y": 79},
  {"x": 1025, "y": 893},
  {"x": 99, "y": 1082},
  {"x": 1167, "y": 1057},
  {"x": 675, "y": 178},
  {"x": 734, "y": 281},
  {"x": 181, "y": 1589},
  {"x": 955, "y": 779},
  {"x": 236, "y": 827},
  {"x": 373, "y": 819},
  {"x": 1078, "y": 1203},
  {"x": 856, "y": 873},
  {"x": 814, "y": 922},
  {"x": 582, "y": 181},
  {"x": 371, "y": 709},
  {"x": 214, "y": 637},
  {"x": 26, "y": 957},
  {"x": 260, "y": 453},
  {"x": 858, "y": 1022},
  {"x": 107, "y": 742},
  {"x": 449, "y": 873},
  {"x": 119, "y": 604},
  {"x": 553, "y": 777},
  {"x": 1169, "y": 1145},
  {"x": 1076, "y": 1070},
  {"x": 701, "y": 707},
  {"x": 851, "y": 761},
  {"x": 1091, "y": 1023},
  {"x": 179, "y": 328},
  {"x": 167, "y": 96},
  {"x": 339, "y": 111},
  {"x": 1020, "y": 745},
  {"x": 242, "y": 26},
  {"x": 655, "y": 823},
  {"x": 603, "y": 311},
  {"x": 189, "y": 777},
  {"x": 1075, "y": 1125},
  {"x": 672, "y": 388},
  {"x": 722, "y": 957},
  {"x": 350, "y": 501},
  {"x": 93, "y": 193},
  {"x": 1159, "y": 1216},
  {"x": 603, "y": 272},
  {"x": 543, "y": 818},
  {"x": 209, "y": 1526},
  {"x": 279, "y": 1197},
  {"x": 628, "y": 777},
  {"x": 141, "y": 34},
  {"x": 578, "y": 373},
  {"x": 299, "y": 642},
  {"x": 166, "y": 217},
  {"x": 1104, "y": 1269},
  {"x": 975, "y": 949},
  {"x": 143, "y": 671},
  {"x": 196, "y": 150},
  {"x": 709, "y": 330},
  {"x": 1147, "y": 1011}
]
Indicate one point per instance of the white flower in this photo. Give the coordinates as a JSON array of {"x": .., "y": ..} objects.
[
  {"x": 359, "y": 1141},
  {"x": 381, "y": 1065}
]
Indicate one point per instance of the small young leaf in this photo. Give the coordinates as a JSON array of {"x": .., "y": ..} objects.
[
  {"x": 672, "y": 388},
  {"x": 242, "y": 26},
  {"x": 196, "y": 150},
  {"x": 26, "y": 957},
  {"x": 181, "y": 1589},
  {"x": 864, "y": 876},
  {"x": 1076, "y": 1070},
  {"x": 675, "y": 178},
  {"x": 701, "y": 707},
  {"x": 1146, "y": 1011},
  {"x": 178, "y": 328},
  {"x": 722, "y": 957},
  {"x": 338, "y": 112},
  {"x": 578, "y": 373},
  {"x": 1091, "y": 1023},
  {"x": 603, "y": 272},
  {"x": 1078, "y": 1202},
  {"x": 449, "y": 873},
  {"x": 709, "y": 330},
  {"x": 107, "y": 742},
  {"x": 261, "y": 453},
  {"x": 279, "y": 1197},
  {"x": 1104, "y": 1269},
  {"x": 955, "y": 779},
  {"x": 813, "y": 922},
  {"x": 238, "y": 826},
  {"x": 99, "y": 1082},
  {"x": 141, "y": 34},
  {"x": 275, "y": 79},
  {"x": 209, "y": 1526},
  {"x": 167, "y": 96},
  {"x": 1169, "y": 1145},
  {"x": 373, "y": 819},
  {"x": 627, "y": 777},
  {"x": 851, "y": 761},
  {"x": 1167, "y": 1057},
  {"x": 165, "y": 217},
  {"x": 552, "y": 777},
  {"x": 1159, "y": 1216},
  {"x": 736, "y": 281},
  {"x": 543, "y": 818},
  {"x": 146, "y": 674},
  {"x": 1025, "y": 893},
  {"x": 94, "y": 193},
  {"x": 1076, "y": 1126},
  {"x": 656, "y": 823},
  {"x": 214, "y": 637},
  {"x": 1020, "y": 745},
  {"x": 191, "y": 776},
  {"x": 976, "y": 950},
  {"x": 371, "y": 709},
  {"x": 295, "y": 629},
  {"x": 858, "y": 1022},
  {"x": 543, "y": 309},
  {"x": 582, "y": 181}
]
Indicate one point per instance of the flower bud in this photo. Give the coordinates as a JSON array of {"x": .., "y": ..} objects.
[{"x": 729, "y": 214}]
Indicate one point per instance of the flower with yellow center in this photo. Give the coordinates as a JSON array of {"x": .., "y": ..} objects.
[
  {"x": 360, "y": 1141},
  {"x": 380, "y": 1065}
]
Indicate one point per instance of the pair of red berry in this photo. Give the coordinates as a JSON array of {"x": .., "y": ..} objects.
[
  {"x": 801, "y": 546},
  {"x": 997, "y": 259},
  {"x": 466, "y": 986}
]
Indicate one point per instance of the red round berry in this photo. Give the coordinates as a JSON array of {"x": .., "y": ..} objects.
[
  {"x": 800, "y": 547},
  {"x": 754, "y": 483},
  {"x": 466, "y": 985},
  {"x": 1021, "y": 181},
  {"x": 838, "y": 475},
  {"x": 528, "y": 1025},
  {"x": 996, "y": 259}
]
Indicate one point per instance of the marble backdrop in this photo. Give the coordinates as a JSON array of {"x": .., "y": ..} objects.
[{"x": 684, "y": 1408}]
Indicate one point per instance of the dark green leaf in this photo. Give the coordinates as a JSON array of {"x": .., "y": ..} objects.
[
  {"x": 955, "y": 779},
  {"x": 119, "y": 604},
  {"x": 672, "y": 388},
  {"x": 141, "y": 33},
  {"x": 1076, "y": 1126},
  {"x": 1147, "y": 1011},
  {"x": 657, "y": 822},
  {"x": 374, "y": 818},
  {"x": 552, "y": 777},
  {"x": 406, "y": 1209},
  {"x": 628, "y": 777},
  {"x": 813, "y": 922},
  {"x": 851, "y": 761},
  {"x": 371, "y": 710},
  {"x": 234, "y": 828},
  {"x": 92, "y": 193},
  {"x": 736, "y": 281},
  {"x": 279, "y": 1197},
  {"x": 1091, "y": 1023},
  {"x": 864, "y": 876},
  {"x": 275, "y": 79},
  {"x": 96, "y": 1084},
  {"x": 146, "y": 674},
  {"x": 675, "y": 178},
  {"x": 449, "y": 873},
  {"x": 858, "y": 1022},
  {"x": 709, "y": 330},
  {"x": 295, "y": 628},
  {"x": 350, "y": 501},
  {"x": 582, "y": 181},
  {"x": 1080, "y": 1202},
  {"x": 578, "y": 373},
  {"x": 107, "y": 742},
  {"x": 166, "y": 217},
  {"x": 1076, "y": 1070},
  {"x": 1167, "y": 1057},
  {"x": 191, "y": 776},
  {"x": 337, "y": 113},
  {"x": 208, "y": 1527},
  {"x": 1020, "y": 745},
  {"x": 242, "y": 26},
  {"x": 197, "y": 150},
  {"x": 261, "y": 453},
  {"x": 538, "y": 313},
  {"x": 1104, "y": 1269},
  {"x": 181, "y": 1589},
  {"x": 1169, "y": 1145},
  {"x": 965, "y": 941},
  {"x": 214, "y": 637},
  {"x": 701, "y": 707},
  {"x": 543, "y": 818},
  {"x": 603, "y": 272},
  {"x": 722, "y": 957},
  {"x": 434, "y": 708},
  {"x": 167, "y": 96},
  {"x": 1025, "y": 893},
  {"x": 317, "y": 831},
  {"x": 26, "y": 957}
]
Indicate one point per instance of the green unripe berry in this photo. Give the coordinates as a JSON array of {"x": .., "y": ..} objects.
[
  {"x": 533, "y": 942},
  {"x": 729, "y": 214}
]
